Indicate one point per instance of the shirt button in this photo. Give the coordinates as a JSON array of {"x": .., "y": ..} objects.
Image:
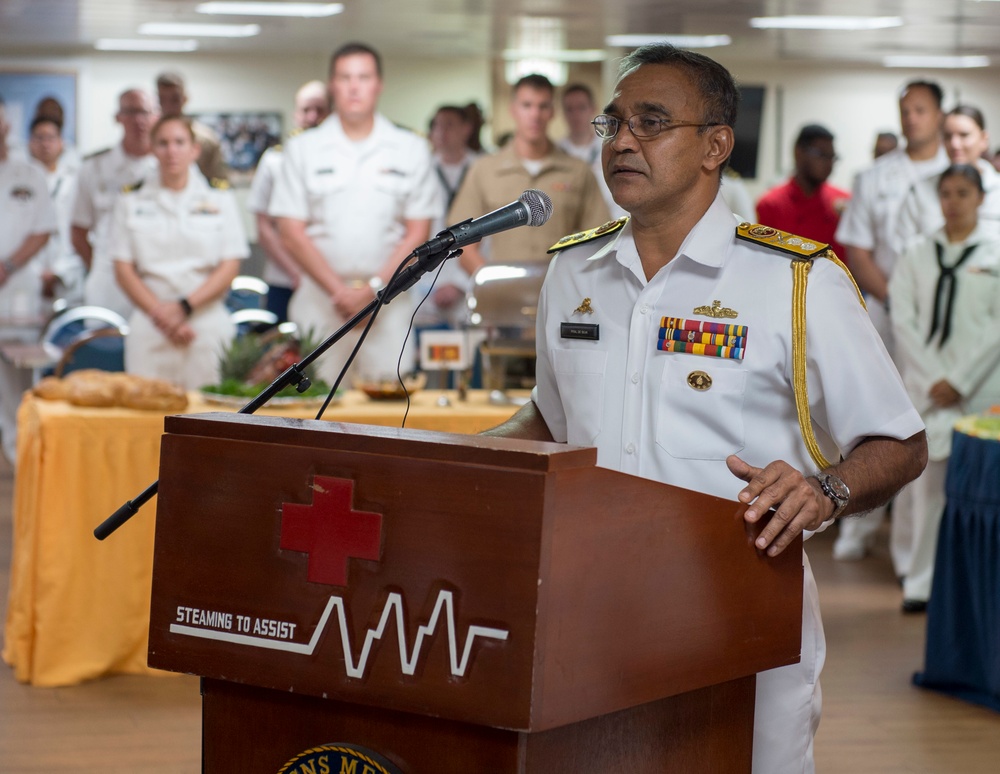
[
  {"x": 643, "y": 309},
  {"x": 635, "y": 378},
  {"x": 630, "y": 449}
]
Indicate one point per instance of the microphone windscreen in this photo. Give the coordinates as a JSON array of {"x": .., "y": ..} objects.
[{"x": 539, "y": 206}]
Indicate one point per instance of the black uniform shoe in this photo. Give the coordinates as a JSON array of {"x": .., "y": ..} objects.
[{"x": 914, "y": 606}]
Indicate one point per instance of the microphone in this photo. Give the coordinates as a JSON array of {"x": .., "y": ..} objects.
[{"x": 532, "y": 208}]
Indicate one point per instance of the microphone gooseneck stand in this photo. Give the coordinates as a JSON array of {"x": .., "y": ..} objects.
[{"x": 294, "y": 374}]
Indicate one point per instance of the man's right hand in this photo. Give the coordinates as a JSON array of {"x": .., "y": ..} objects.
[{"x": 348, "y": 300}]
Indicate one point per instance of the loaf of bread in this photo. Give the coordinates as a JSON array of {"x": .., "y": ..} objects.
[
  {"x": 52, "y": 388},
  {"x": 105, "y": 389},
  {"x": 153, "y": 395}
]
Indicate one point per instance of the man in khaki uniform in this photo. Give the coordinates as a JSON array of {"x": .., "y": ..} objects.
[{"x": 529, "y": 160}]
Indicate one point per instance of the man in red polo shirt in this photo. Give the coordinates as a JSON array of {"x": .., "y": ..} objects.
[{"x": 807, "y": 205}]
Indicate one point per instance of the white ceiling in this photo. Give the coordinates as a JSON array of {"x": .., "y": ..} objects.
[{"x": 473, "y": 28}]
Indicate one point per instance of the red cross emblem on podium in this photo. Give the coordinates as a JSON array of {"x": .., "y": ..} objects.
[{"x": 330, "y": 530}]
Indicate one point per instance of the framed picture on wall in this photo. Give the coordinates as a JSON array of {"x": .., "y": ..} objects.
[
  {"x": 244, "y": 137},
  {"x": 23, "y": 90}
]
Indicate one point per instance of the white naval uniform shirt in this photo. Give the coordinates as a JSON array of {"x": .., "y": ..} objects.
[
  {"x": 970, "y": 358},
  {"x": 355, "y": 198},
  {"x": 60, "y": 258},
  {"x": 176, "y": 239},
  {"x": 920, "y": 214},
  {"x": 259, "y": 201},
  {"x": 872, "y": 212},
  {"x": 25, "y": 210},
  {"x": 870, "y": 220},
  {"x": 633, "y": 402},
  {"x": 102, "y": 177}
]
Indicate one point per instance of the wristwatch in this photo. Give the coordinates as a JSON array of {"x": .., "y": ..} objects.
[{"x": 836, "y": 490}]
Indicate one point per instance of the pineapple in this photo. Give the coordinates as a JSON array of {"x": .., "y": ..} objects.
[{"x": 254, "y": 360}]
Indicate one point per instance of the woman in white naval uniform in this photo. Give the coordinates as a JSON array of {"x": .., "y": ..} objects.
[
  {"x": 945, "y": 295},
  {"x": 177, "y": 243}
]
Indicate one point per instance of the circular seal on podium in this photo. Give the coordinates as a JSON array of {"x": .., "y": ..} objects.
[{"x": 337, "y": 757}]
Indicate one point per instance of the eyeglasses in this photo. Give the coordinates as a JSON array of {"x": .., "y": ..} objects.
[{"x": 642, "y": 125}]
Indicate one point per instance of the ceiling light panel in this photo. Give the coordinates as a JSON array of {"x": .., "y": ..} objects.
[
  {"x": 200, "y": 30},
  {"x": 845, "y": 23},
  {"x": 293, "y": 10}
]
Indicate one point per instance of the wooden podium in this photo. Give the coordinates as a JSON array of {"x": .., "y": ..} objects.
[{"x": 456, "y": 603}]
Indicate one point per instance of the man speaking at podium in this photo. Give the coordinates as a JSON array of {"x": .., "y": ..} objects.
[{"x": 719, "y": 356}]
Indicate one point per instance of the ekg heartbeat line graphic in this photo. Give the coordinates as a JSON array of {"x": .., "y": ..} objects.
[{"x": 394, "y": 604}]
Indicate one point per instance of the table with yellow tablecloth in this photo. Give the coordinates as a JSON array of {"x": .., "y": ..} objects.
[{"x": 79, "y": 608}]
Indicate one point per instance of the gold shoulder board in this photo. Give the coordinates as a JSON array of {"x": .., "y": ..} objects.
[
  {"x": 95, "y": 154},
  {"x": 800, "y": 247},
  {"x": 132, "y": 187},
  {"x": 218, "y": 182},
  {"x": 585, "y": 236}
]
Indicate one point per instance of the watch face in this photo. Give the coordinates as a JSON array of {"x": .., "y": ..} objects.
[{"x": 835, "y": 488}]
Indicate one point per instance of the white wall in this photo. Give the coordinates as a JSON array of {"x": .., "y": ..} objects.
[
  {"x": 412, "y": 91},
  {"x": 854, "y": 102}
]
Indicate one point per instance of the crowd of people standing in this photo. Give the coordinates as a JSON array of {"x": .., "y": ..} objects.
[{"x": 349, "y": 194}]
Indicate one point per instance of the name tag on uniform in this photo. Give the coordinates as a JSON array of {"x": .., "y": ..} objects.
[{"x": 590, "y": 332}]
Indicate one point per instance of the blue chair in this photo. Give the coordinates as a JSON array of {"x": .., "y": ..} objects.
[
  {"x": 65, "y": 326},
  {"x": 253, "y": 320},
  {"x": 72, "y": 326},
  {"x": 103, "y": 349},
  {"x": 246, "y": 292}
]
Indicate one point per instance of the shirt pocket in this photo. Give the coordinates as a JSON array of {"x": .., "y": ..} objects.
[
  {"x": 204, "y": 223},
  {"x": 322, "y": 193},
  {"x": 580, "y": 376},
  {"x": 146, "y": 221},
  {"x": 700, "y": 424},
  {"x": 391, "y": 189}
]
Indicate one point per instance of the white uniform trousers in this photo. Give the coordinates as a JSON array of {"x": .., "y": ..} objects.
[
  {"x": 149, "y": 353},
  {"x": 311, "y": 309},
  {"x": 13, "y": 383},
  {"x": 789, "y": 699},
  {"x": 924, "y": 500}
]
